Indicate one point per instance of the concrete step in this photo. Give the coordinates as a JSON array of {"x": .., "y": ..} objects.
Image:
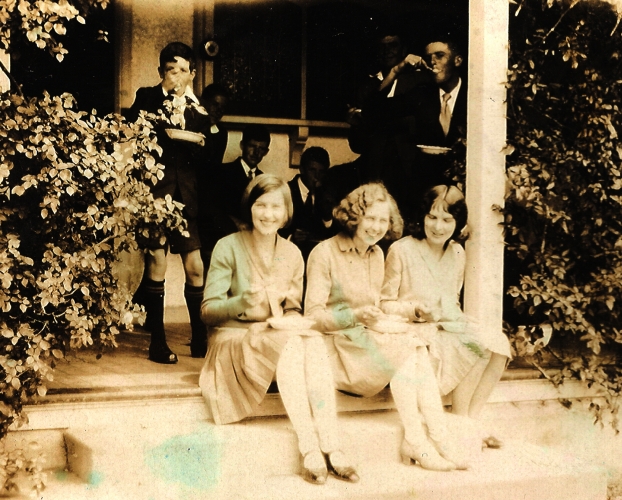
[{"x": 258, "y": 459}]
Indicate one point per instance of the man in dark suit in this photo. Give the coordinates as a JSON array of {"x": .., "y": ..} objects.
[
  {"x": 215, "y": 99},
  {"x": 439, "y": 112},
  {"x": 306, "y": 227},
  {"x": 235, "y": 176},
  {"x": 181, "y": 158},
  {"x": 374, "y": 142}
]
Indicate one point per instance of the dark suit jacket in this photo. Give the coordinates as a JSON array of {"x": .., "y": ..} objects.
[
  {"x": 230, "y": 184},
  {"x": 213, "y": 220},
  {"x": 306, "y": 218},
  {"x": 181, "y": 159},
  {"x": 409, "y": 176},
  {"x": 384, "y": 144},
  {"x": 427, "y": 106}
]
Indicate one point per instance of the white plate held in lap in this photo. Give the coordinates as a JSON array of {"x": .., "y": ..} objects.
[{"x": 291, "y": 323}]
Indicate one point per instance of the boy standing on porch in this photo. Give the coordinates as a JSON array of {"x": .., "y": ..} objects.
[{"x": 181, "y": 158}]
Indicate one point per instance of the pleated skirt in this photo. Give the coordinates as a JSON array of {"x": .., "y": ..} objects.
[
  {"x": 364, "y": 361},
  {"x": 238, "y": 369}
]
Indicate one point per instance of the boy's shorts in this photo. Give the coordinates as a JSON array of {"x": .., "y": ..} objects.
[{"x": 178, "y": 243}]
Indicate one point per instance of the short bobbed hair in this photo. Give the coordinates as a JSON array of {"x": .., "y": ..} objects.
[
  {"x": 260, "y": 185},
  {"x": 352, "y": 209},
  {"x": 452, "y": 201}
]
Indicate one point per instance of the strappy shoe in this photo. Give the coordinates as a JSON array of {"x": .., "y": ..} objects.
[
  {"x": 316, "y": 474},
  {"x": 334, "y": 461},
  {"x": 426, "y": 455}
]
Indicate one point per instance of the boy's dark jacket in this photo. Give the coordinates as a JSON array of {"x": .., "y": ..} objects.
[{"x": 181, "y": 159}]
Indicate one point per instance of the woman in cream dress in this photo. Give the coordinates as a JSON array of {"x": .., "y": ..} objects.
[
  {"x": 255, "y": 281},
  {"x": 424, "y": 275}
]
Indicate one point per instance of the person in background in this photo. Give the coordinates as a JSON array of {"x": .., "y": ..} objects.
[
  {"x": 235, "y": 176},
  {"x": 423, "y": 279},
  {"x": 344, "y": 277},
  {"x": 174, "y": 97},
  {"x": 211, "y": 224},
  {"x": 255, "y": 278},
  {"x": 385, "y": 146},
  {"x": 439, "y": 116},
  {"x": 307, "y": 228}
]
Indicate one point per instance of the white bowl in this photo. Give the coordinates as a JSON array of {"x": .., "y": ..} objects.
[
  {"x": 185, "y": 135},
  {"x": 433, "y": 150},
  {"x": 291, "y": 323}
]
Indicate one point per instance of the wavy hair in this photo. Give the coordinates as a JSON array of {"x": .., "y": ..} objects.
[{"x": 352, "y": 209}]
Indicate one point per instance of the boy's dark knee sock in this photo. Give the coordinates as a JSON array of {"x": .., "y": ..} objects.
[
  {"x": 194, "y": 297},
  {"x": 154, "y": 306}
]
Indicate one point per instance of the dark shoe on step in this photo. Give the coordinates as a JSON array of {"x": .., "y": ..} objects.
[
  {"x": 160, "y": 353},
  {"x": 198, "y": 349}
]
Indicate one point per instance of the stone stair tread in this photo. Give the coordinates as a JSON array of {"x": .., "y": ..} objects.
[
  {"x": 257, "y": 459},
  {"x": 518, "y": 471}
]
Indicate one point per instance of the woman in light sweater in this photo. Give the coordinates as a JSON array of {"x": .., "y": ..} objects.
[{"x": 255, "y": 283}]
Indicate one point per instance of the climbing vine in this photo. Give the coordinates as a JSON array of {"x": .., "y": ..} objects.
[{"x": 563, "y": 213}]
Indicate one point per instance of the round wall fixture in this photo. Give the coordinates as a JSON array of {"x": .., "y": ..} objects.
[{"x": 210, "y": 49}]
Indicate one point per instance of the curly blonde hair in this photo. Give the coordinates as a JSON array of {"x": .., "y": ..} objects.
[{"x": 352, "y": 208}]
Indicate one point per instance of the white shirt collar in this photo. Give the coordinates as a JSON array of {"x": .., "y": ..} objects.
[
  {"x": 187, "y": 93},
  {"x": 454, "y": 95},
  {"x": 392, "y": 91},
  {"x": 247, "y": 169},
  {"x": 304, "y": 190}
]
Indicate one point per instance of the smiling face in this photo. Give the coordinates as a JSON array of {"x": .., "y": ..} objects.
[
  {"x": 269, "y": 213},
  {"x": 444, "y": 63},
  {"x": 439, "y": 225},
  {"x": 176, "y": 76},
  {"x": 373, "y": 225}
]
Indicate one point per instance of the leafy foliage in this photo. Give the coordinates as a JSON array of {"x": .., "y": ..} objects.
[
  {"x": 42, "y": 21},
  {"x": 563, "y": 211},
  {"x": 75, "y": 194}
]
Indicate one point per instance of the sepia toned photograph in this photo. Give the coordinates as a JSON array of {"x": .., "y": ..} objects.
[{"x": 310, "y": 249}]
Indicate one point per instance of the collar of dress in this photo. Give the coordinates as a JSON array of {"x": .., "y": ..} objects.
[{"x": 346, "y": 244}]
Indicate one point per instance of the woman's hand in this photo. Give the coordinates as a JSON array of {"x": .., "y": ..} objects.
[
  {"x": 424, "y": 312},
  {"x": 252, "y": 297},
  {"x": 368, "y": 315}
]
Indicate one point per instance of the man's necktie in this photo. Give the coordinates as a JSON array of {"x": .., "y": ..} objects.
[
  {"x": 445, "y": 116},
  {"x": 309, "y": 203},
  {"x": 251, "y": 173}
]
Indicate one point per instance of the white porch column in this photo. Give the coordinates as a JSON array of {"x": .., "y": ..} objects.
[
  {"x": 486, "y": 136},
  {"x": 5, "y": 83}
]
